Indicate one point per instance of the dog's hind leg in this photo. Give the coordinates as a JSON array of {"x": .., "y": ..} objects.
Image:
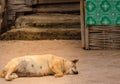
[
  {"x": 10, "y": 74},
  {"x": 10, "y": 69},
  {"x": 2, "y": 73}
]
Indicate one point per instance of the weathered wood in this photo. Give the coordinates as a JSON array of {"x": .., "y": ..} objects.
[
  {"x": 16, "y": 2},
  {"x": 2, "y": 5},
  {"x": 15, "y": 8},
  {"x": 59, "y": 8},
  {"x": 87, "y": 38},
  {"x": 82, "y": 23},
  {"x": 47, "y": 19},
  {"x": 33, "y": 2},
  {"x": 4, "y": 25}
]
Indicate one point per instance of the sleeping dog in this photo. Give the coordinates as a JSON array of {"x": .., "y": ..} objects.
[{"x": 38, "y": 65}]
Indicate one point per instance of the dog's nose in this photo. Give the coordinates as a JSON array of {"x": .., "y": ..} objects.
[{"x": 76, "y": 72}]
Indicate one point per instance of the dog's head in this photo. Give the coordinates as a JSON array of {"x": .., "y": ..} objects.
[{"x": 71, "y": 67}]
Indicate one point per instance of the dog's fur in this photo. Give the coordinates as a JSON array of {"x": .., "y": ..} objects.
[{"x": 38, "y": 65}]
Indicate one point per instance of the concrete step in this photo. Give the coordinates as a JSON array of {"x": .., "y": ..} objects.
[
  {"x": 48, "y": 20},
  {"x": 42, "y": 34}
]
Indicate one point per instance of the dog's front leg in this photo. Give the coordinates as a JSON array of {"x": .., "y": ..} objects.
[{"x": 57, "y": 71}]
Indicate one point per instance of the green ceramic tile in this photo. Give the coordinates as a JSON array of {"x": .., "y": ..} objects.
[{"x": 103, "y": 12}]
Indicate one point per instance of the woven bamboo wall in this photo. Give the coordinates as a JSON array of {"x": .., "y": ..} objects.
[{"x": 104, "y": 37}]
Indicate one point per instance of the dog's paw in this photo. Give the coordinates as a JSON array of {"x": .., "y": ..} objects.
[
  {"x": 8, "y": 79},
  {"x": 11, "y": 77},
  {"x": 58, "y": 75}
]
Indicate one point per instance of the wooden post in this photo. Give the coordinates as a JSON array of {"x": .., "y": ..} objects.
[
  {"x": 2, "y": 5},
  {"x": 82, "y": 23},
  {"x": 4, "y": 25},
  {"x": 87, "y": 37}
]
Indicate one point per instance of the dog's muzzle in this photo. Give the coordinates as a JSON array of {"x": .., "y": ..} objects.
[{"x": 75, "y": 72}]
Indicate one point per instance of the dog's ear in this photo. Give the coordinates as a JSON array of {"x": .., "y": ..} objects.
[{"x": 75, "y": 61}]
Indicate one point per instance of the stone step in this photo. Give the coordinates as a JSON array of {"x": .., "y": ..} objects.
[
  {"x": 48, "y": 20},
  {"x": 42, "y": 34}
]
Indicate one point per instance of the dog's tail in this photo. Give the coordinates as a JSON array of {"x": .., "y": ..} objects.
[{"x": 2, "y": 73}]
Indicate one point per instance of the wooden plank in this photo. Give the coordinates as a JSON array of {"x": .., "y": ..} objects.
[
  {"x": 48, "y": 19},
  {"x": 17, "y": 2},
  {"x": 86, "y": 38},
  {"x": 32, "y": 2},
  {"x": 13, "y": 8},
  {"x": 57, "y": 8},
  {"x": 25, "y": 9},
  {"x": 11, "y": 18},
  {"x": 82, "y": 23},
  {"x": 2, "y": 5},
  {"x": 16, "y": 7}
]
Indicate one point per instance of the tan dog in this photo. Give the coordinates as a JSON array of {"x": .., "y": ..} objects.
[{"x": 38, "y": 65}]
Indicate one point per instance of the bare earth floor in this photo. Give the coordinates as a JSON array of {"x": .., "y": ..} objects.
[{"x": 94, "y": 66}]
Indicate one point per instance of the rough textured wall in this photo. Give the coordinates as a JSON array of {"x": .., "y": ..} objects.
[
  {"x": 0, "y": 16},
  {"x": 0, "y": 11}
]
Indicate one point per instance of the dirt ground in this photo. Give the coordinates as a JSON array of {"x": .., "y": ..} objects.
[{"x": 94, "y": 66}]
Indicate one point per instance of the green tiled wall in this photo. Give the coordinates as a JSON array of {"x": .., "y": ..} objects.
[{"x": 103, "y": 12}]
